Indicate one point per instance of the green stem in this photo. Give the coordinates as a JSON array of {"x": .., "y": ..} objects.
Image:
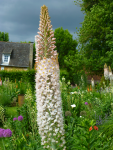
[
  {"x": 3, "y": 144},
  {"x": 89, "y": 143}
]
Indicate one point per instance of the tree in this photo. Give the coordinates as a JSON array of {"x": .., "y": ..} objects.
[
  {"x": 95, "y": 36},
  {"x": 88, "y": 4},
  {"x": 64, "y": 43},
  {"x": 75, "y": 64},
  {"x": 4, "y": 36}
]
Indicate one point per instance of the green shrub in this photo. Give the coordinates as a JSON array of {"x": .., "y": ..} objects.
[
  {"x": 103, "y": 82},
  {"x": 77, "y": 78},
  {"x": 3, "y": 114},
  {"x": 65, "y": 74},
  {"x": 5, "y": 99}
]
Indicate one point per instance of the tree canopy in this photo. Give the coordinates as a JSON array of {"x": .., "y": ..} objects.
[
  {"x": 96, "y": 36},
  {"x": 4, "y": 36},
  {"x": 64, "y": 43}
]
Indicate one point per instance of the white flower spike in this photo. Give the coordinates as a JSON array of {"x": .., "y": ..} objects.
[{"x": 48, "y": 95}]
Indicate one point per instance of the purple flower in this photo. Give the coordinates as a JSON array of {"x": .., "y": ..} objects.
[
  {"x": 14, "y": 119},
  {"x": 1, "y": 132},
  {"x": 20, "y": 118},
  {"x": 7, "y": 133},
  {"x": 86, "y": 103}
]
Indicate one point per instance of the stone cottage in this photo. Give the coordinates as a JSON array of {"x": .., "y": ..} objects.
[{"x": 14, "y": 55}]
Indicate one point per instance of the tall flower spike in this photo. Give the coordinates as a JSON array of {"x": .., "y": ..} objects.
[
  {"x": 92, "y": 82},
  {"x": 45, "y": 41},
  {"x": 110, "y": 71},
  {"x": 48, "y": 95},
  {"x": 106, "y": 72}
]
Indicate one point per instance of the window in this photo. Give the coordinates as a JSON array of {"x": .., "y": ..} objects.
[
  {"x": 2, "y": 68},
  {"x": 5, "y": 58}
]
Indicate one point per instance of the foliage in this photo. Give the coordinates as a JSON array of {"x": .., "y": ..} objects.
[
  {"x": 2, "y": 112},
  {"x": 95, "y": 34},
  {"x": 65, "y": 74},
  {"x": 85, "y": 138},
  {"x": 75, "y": 65},
  {"x": 103, "y": 83},
  {"x": 24, "y": 133},
  {"x": 108, "y": 128},
  {"x": 5, "y": 94},
  {"x": 4, "y": 36},
  {"x": 22, "y": 87},
  {"x": 77, "y": 123},
  {"x": 9, "y": 91},
  {"x": 87, "y": 4},
  {"x": 28, "y": 76},
  {"x": 64, "y": 44}
]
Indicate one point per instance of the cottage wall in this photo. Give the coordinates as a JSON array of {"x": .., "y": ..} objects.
[{"x": 11, "y": 68}]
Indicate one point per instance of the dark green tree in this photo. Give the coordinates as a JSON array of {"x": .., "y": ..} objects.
[
  {"x": 4, "y": 36},
  {"x": 74, "y": 62},
  {"x": 96, "y": 35},
  {"x": 64, "y": 43},
  {"x": 86, "y": 5}
]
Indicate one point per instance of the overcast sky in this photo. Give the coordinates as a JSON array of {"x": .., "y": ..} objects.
[{"x": 20, "y": 18}]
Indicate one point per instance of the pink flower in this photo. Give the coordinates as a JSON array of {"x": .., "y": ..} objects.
[
  {"x": 1, "y": 132},
  {"x": 86, "y": 103},
  {"x": 14, "y": 119},
  {"x": 7, "y": 133},
  {"x": 20, "y": 118}
]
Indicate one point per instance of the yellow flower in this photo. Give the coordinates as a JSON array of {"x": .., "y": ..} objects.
[{"x": 75, "y": 92}]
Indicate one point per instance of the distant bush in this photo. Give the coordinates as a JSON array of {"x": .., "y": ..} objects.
[
  {"x": 65, "y": 74},
  {"x": 103, "y": 82}
]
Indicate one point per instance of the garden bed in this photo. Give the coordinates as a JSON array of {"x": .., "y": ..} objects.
[{"x": 87, "y": 115}]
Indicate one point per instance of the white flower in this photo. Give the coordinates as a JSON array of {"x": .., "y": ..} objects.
[
  {"x": 92, "y": 83},
  {"x": 106, "y": 72},
  {"x": 56, "y": 130},
  {"x": 68, "y": 83},
  {"x": 63, "y": 79},
  {"x": 53, "y": 113},
  {"x": 71, "y": 92},
  {"x": 81, "y": 116},
  {"x": 55, "y": 120},
  {"x": 50, "y": 129},
  {"x": 110, "y": 74},
  {"x": 53, "y": 140},
  {"x": 73, "y": 105}
]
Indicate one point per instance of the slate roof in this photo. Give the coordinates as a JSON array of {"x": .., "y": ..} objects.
[{"x": 21, "y": 54}]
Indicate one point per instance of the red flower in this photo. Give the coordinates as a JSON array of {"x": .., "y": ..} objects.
[
  {"x": 95, "y": 127},
  {"x": 27, "y": 135},
  {"x": 90, "y": 128}
]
